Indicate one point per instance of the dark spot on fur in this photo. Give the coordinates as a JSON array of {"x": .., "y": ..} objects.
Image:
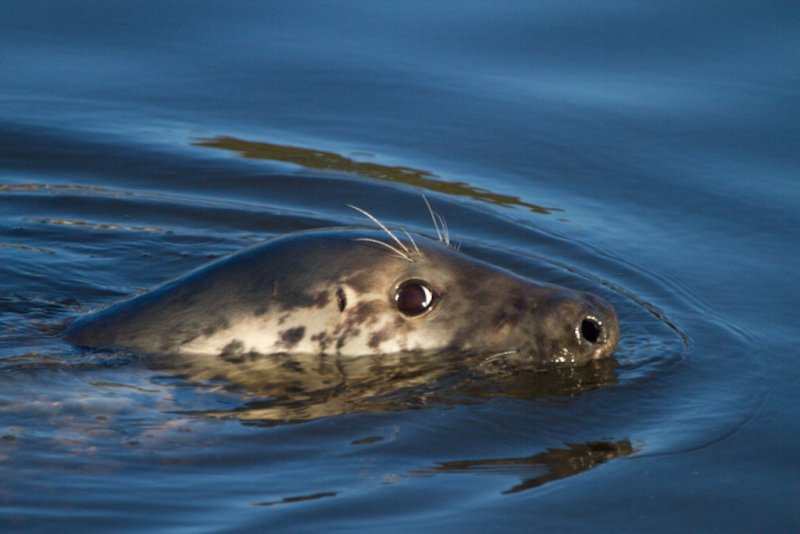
[
  {"x": 351, "y": 332},
  {"x": 323, "y": 338},
  {"x": 377, "y": 338},
  {"x": 319, "y": 336},
  {"x": 365, "y": 312},
  {"x": 359, "y": 316},
  {"x": 282, "y": 318},
  {"x": 233, "y": 352},
  {"x": 293, "y": 336},
  {"x": 342, "y": 298}
]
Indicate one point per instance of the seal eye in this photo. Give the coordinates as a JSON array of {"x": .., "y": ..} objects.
[{"x": 414, "y": 298}]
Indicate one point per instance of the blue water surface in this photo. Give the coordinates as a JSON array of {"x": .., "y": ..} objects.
[{"x": 647, "y": 152}]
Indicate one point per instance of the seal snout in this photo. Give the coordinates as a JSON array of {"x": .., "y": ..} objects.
[{"x": 576, "y": 327}]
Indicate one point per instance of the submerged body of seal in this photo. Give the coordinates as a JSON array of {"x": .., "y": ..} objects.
[{"x": 352, "y": 293}]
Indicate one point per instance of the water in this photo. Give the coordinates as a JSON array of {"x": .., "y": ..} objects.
[{"x": 647, "y": 153}]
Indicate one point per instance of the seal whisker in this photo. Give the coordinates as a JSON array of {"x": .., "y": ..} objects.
[
  {"x": 433, "y": 218},
  {"x": 445, "y": 231},
  {"x": 385, "y": 229},
  {"x": 410, "y": 238},
  {"x": 399, "y": 253}
]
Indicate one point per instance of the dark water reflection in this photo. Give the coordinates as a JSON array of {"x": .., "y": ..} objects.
[
  {"x": 539, "y": 469},
  {"x": 319, "y": 159},
  {"x": 289, "y": 395}
]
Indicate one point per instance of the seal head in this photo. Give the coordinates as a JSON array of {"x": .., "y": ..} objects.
[{"x": 354, "y": 293}]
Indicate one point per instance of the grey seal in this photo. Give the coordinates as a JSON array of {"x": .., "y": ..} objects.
[{"x": 349, "y": 293}]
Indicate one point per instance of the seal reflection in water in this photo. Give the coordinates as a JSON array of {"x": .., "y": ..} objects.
[{"x": 328, "y": 298}]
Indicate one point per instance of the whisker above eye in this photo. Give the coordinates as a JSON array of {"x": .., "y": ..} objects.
[
  {"x": 397, "y": 252},
  {"x": 433, "y": 218},
  {"x": 411, "y": 238},
  {"x": 383, "y": 226},
  {"x": 445, "y": 231}
]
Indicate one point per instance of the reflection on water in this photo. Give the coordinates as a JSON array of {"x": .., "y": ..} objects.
[
  {"x": 282, "y": 389},
  {"x": 57, "y": 188},
  {"x": 18, "y": 246},
  {"x": 539, "y": 469},
  {"x": 298, "y": 498},
  {"x": 320, "y": 159},
  {"x": 95, "y": 226}
]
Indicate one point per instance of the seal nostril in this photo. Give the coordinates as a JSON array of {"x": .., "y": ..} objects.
[{"x": 591, "y": 329}]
